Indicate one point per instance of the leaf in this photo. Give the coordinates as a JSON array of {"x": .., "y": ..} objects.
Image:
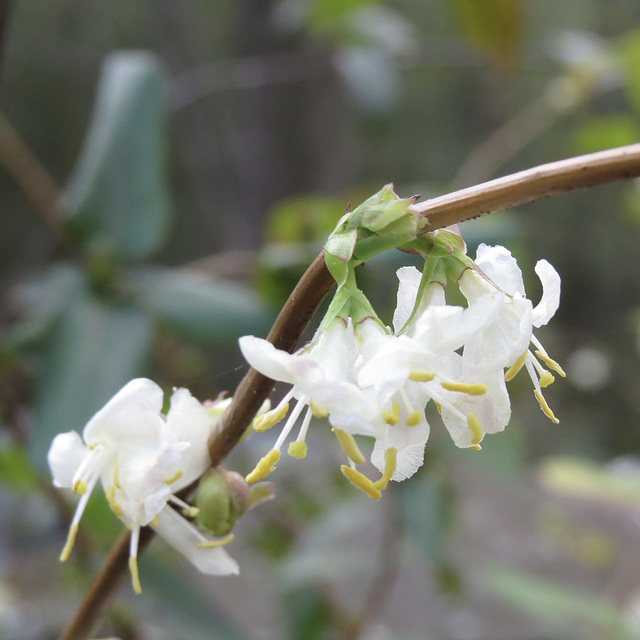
[
  {"x": 15, "y": 470},
  {"x": 494, "y": 27},
  {"x": 117, "y": 200},
  {"x": 93, "y": 351},
  {"x": 198, "y": 307}
]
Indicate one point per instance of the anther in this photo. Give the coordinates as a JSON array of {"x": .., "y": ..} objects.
[
  {"x": 463, "y": 387},
  {"x": 414, "y": 418},
  {"x": 111, "y": 499},
  {"x": 318, "y": 410},
  {"x": 360, "y": 481},
  {"x": 176, "y": 476},
  {"x": 264, "y": 467},
  {"x": 545, "y": 407},
  {"x": 349, "y": 446},
  {"x": 420, "y": 375},
  {"x": 516, "y": 366},
  {"x": 212, "y": 544},
  {"x": 390, "y": 457},
  {"x": 298, "y": 449},
  {"x": 392, "y": 417},
  {"x": 135, "y": 577},
  {"x": 79, "y": 487},
  {"x": 476, "y": 428},
  {"x": 551, "y": 363},
  {"x": 271, "y": 418},
  {"x": 546, "y": 378},
  {"x": 71, "y": 538}
]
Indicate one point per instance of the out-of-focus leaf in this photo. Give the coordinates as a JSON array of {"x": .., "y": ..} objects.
[
  {"x": 554, "y": 604},
  {"x": 199, "y": 308},
  {"x": 117, "y": 200},
  {"x": 630, "y": 52},
  {"x": 92, "y": 352},
  {"x": 15, "y": 470},
  {"x": 329, "y": 14},
  {"x": 493, "y": 26},
  {"x": 596, "y": 133},
  {"x": 309, "y": 612}
]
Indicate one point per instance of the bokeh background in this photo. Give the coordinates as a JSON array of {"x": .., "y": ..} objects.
[{"x": 169, "y": 169}]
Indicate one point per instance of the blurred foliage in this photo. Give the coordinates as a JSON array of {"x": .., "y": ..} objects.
[{"x": 204, "y": 151}]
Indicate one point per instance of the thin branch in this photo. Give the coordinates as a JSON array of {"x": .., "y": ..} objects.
[
  {"x": 519, "y": 188},
  {"x": 533, "y": 184}
]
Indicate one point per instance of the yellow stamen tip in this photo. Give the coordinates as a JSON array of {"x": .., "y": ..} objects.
[
  {"x": 545, "y": 407},
  {"x": 176, "y": 476},
  {"x": 438, "y": 407},
  {"x": 212, "y": 544},
  {"x": 546, "y": 378},
  {"x": 111, "y": 499},
  {"x": 264, "y": 467},
  {"x": 392, "y": 417},
  {"x": 414, "y": 418},
  {"x": 318, "y": 410},
  {"x": 475, "y": 447},
  {"x": 71, "y": 538},
  {"x": 190, "y": 512},
  {"x": 298, "y": 449},
  {"x": 156, "y": 520},
  {"x": 271, "y": 418},
  {"x": 463, "y": 387},
  {"x": 390, "y": 458},
  {"x": 360, "y": 481},
  {"x": 79, "y": 487},
  {"x": 135, "y": 578},
  {"x": 551, "y": 363},
  {"x": 516, "y": 366},
  {"x": 420, "y": 375},
  {"x": 349, "y": 446},
  {"x": 476, "y": 428}
]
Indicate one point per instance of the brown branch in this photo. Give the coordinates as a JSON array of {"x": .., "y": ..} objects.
[
  {"x": 533, "y": 184},
  {"x": 519, "y": 188}
]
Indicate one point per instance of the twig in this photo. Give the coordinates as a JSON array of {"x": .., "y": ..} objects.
[
  {"x": 519, "y": 188},
  {"x": 533, "y": 184}
]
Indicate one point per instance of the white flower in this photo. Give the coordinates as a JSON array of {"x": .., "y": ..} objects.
[
  {"x": 506, "y": 340},
  {"x": 142, "y": 460}
]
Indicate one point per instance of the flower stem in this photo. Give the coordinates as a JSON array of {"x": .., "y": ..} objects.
[{"x": 519, "y": 188}]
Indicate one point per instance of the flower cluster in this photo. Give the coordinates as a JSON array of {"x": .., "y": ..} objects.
[
  {"x": 371, "y": 380},
  {"x": 143, "y": 458}
]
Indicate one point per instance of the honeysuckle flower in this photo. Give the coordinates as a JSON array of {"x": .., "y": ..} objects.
[
  {"x": 142, "y": 460},
  {"x": 506, "y": 341}
]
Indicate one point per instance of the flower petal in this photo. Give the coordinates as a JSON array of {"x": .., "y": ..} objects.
[
  {"x": 265, "y": 358},
  {"x": 65, "y": 455},
  {"x": 550, "y": 300},
  {"x": 184, "y": 537},
  {"x": 499, "y": 265},
  {"x": 409, "y": 281}
]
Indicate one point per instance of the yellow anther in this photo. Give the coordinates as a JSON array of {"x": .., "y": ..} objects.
[
  {"x": 551, "y": 363},
  {"x": 212, "y": 544},
  {"x": 546, "y": 378},
  {"x": 318, "y": 410},
  {"x": 438, "y": 407},
  {"x": 111, "y": 499},
  {"x": 360, "y": 481},
  {"x": 298, "y": 449},
  {"x": 463, "y": 387},
  {"x": 516, "y": 366},
  {"x": 475, "y": 447},
  {"x": 156, "y": 520},
  {"x": 544, "y": 406},
  {"x": 191, "y": 512},
  {"x": 349, "y": 446},
  {"x": 80, "y": 487},
  {"x": 71, "y": 538},
  {"x": 264, "y": 467},
  {"x": 135, "y": 578},
  {"x": 476, "y": 428},
  {"x": 270, "y": 419},
  {"x": 414, "y": 418},
  {"x": 420, "y": 375},
  {"x": 392, "y": 417},
  {"x": 390, "y": 457},
  {"x": 176, "y": 476}
]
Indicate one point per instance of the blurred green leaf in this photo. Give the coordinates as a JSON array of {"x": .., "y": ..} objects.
[
  {"x": 309, "y": 613},
  {"x": 93, "y": 350},
  {"x": 630, "y": 51},
  {"x": 198, "y": 307},
  {"x": 596, "y": 133},
  {"x": 117, "y": 200},
  {"x": 15, "y": 470},
  {"x": 329, "y": 14},
  {"x": 494, "y": 27}
]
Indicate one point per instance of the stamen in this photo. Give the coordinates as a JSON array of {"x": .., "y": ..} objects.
[
  {"x": 421, "y": 375},
  {"x": 71, "y": 538},
  {"x": 349, "y": 446},
  {"x": 476, "y": 429},
  {"x": 297, "y": 449},
  {"x": 212, "y": 544},
  {"x": 414, "y": 418},
  {"x": 545, "y": 407},
  {"x": 176, "y": 476},
  {"x": 133, "y": 560},
  {"x": 79, "y": 487},
  {"x": 551, "y": 363},
  {"x": 186, "y": 508},
  {"x": 463, "y": 387},
  {"x": 546, "y": 378},
  {"x": 360, "y": 481},
  {"x": 291, "y": 421},
  {"x": 264, "y": 467},
  {"x": 111, "y": 499},
  {"x": 271, "y": 418},
  {"x": 318, "y": 410},
  {"x": 516, "y": 366},
  {"x": 392, "y": 417},
  {"x": 390, "y": 458}
]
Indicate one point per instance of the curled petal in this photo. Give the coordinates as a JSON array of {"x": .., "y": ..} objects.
[
  {"x": 185, "y": 538},
  {"x": 550, "y": 300},
  {"x": 65, "y": 455},
  {"x": 499, "y": 265},
  {"x": 409, "y": 281},
  {"x": 268, "y": 360}
]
